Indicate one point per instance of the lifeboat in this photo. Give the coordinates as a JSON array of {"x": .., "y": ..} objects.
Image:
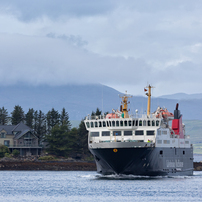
[
  {"x": 112, "y": 116},
  {"x": 164, "y": 113}
]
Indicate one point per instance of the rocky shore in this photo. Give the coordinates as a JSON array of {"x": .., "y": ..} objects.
[{"x": 59, "y": 165}]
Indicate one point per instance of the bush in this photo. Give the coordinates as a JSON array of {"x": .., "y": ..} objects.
[
  {"x": 46, "y": 158},
  {"x": 7, "y": 155},
  {"x": 3, "y": 149},
  {"x": 16, "y": 152}
]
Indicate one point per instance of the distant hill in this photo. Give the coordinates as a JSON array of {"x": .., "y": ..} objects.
[
  {"x": 81, "y": 100},
  {"x": 182, "y": 96}
]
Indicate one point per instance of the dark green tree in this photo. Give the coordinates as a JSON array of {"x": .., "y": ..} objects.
[
  {"x": 17, "y": 115},
  {"x": 41, "y": 126},
  {"x": 3, "y": 116},
  {"x": 57, "y": 141},
  {"x": 64, "y": 118},
  {"x": 29, "y": 118},
  {"x": 52, "y": 119},
  {"x": 83, "y": 137}
]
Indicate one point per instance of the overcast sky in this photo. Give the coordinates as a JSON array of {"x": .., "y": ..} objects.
[{"x": 123, "y": 44}]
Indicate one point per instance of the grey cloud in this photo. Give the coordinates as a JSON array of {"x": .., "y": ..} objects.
[
  {"x": 75, "y": 40},
  {"x": 30, "y": 10}
]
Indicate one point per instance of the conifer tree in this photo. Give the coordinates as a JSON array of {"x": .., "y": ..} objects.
[
  {"x": 17, "y": 115},
  {"x": 29, "y": 118},
  {"x": 3, "y": 116}
]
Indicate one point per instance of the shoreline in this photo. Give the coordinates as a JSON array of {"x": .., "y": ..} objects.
[{"x": 59, "y": 165}]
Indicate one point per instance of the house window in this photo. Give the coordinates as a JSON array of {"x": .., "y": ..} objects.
[
  {"x": 6, "y": 143},
  {"x": 3, "y": 135}
]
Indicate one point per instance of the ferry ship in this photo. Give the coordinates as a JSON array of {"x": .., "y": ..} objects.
[{"x": 151, "y": 144}]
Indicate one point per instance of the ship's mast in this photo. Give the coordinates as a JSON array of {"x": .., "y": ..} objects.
[
  {"x": 149, "y": 99},
  {"x": 125, "y": 104}
]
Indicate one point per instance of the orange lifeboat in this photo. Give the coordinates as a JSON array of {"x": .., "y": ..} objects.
[
  {"x": 164, "y": 113},
  {"x": 112, "y": 116}
]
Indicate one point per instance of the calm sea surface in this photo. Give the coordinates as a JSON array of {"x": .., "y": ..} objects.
[{"x": 89, "y": 186}]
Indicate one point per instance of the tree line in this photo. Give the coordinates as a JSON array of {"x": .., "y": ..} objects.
[{"x": 53, "y": 128}]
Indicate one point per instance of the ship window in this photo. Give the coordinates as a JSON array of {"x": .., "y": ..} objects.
[
  {"x": 139, "y": 132},
  {"x": 100, "y": 124},
  {"x": 136, "y": 123},
  {"x": 107, "y": 124},
  {"x": 161, "y": 152},
  {"x": 148, "y": 123},
  {"x": 121, "y": 123},
  {"x": 94, "y": 134},
  {"x": 117, "y": 133},
  {"x": 159, "y": 141},
  {"x": 87, "y": 124},
  {"x": 133, "y": 123},
  {"x": 153, "y": 123},
  {"x": 113, "y": 123},
  {"x": 159, "y": 132},
  {"x": 128, "y": 133},
  {"x": 110, "y": 123},
  {"x": 96, "y": 124},
  {"x": 117, "y": 123},
  {"x": 105, "y": 133},
  {"x": 164, "y": 132},
  {"x": 140, "y": 123},
  {"x": 166, "y": 141},
  {"x": 129, "y": 123},
  {"x": 157, "y": 123},
  {"x": 183, "y": 152},
  {"x": 104, "y": 124},
  {"x": 144, "y": 123},
  {"x": 92, "y": 125},
  {"x": 150, "y": 132},
  {"x": 125, "y": 123}
]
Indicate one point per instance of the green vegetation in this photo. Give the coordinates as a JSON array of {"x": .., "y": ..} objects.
[
  {"x": 3, "y": 150},
  {"x": 46, "y": 158},
  {"x": 16, "y": 153}
]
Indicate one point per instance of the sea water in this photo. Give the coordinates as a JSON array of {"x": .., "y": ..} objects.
[{"x": 19, "y": 186}]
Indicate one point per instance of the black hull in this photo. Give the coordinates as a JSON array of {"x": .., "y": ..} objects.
[{"x": 149, "y": 161}]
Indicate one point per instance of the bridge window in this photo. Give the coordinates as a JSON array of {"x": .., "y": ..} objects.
[
  {"x": 150, "y": 132},
  {"x": 140, "y": 122},
  {"x": 105, "y": 133},
  {"x": 133, "y": 123},
  {"x": 94, "y": 134},
  {"x": 116, "y": 133},
  {"x": 153, "y": 123},
  {"x": 110, "y": 123},
  {"x": 107, "y": 123},
  {"x": 87, "y": 124},
  {"x": 136, "y": 123},
  {"x": 117, "y": 123},
  {"x": 104, "y": 124},
  {"x": 121, "y": 123},
  {"x": 148, "y": 123},
  {"x": 144, "y": 123},
  {"x": 157, "y": 123},
  {"x": 100, "y": 124},
  {"x": 96, "y": 124},
  {"x": 139, "y": 132},
  {"x": 125, "y": 123},
  {"x": 128, "y": 133},
  {"x": 92, "y": 125},
  {"x": 129, "y": 123},
  {"x": 113, "y": 123}
]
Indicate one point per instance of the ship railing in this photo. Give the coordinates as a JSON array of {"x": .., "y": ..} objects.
[{"x": 97, "y": 117}]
